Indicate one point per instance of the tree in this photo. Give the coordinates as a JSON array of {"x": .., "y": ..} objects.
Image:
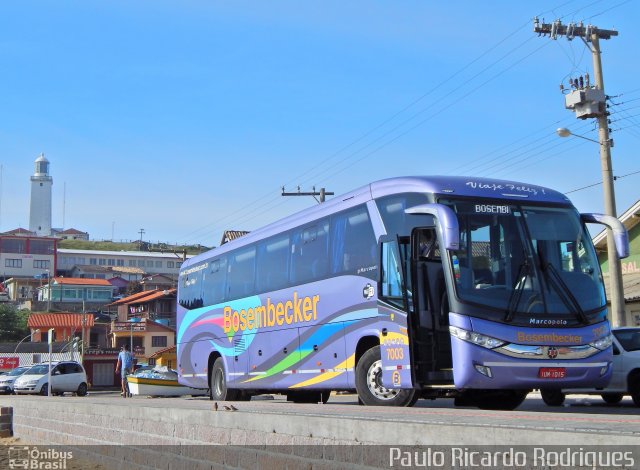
[{"x": 13, "y": 323}]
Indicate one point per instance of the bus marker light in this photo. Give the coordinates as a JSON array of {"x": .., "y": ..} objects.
[{"x": 484, "y": 370}]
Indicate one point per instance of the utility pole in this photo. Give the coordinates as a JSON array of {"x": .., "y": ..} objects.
[
  {"x": 590, "y": 102},
  {"x": 313, "y": 193},
  {"x": 48, "y": 291},
  {"x": 141, "y": 232}
]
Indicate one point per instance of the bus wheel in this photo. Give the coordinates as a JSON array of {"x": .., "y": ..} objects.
[
  {"x": 612, "y": 398},
  {"x": 552, "y": 397},
  {"x": 505, "y": 400},
  {"x": 218, "y": 384},
  {"x": 369, "y": 383}
]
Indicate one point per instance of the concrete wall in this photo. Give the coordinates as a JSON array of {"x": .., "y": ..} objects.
[
  {"x": 133, "y": 434},
  {"x": 150, "y": 437}
]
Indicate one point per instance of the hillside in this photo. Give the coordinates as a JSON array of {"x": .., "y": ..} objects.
[{"x": 133, "y": 246}]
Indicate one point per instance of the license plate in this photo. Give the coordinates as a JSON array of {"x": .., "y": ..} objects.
[{"x": 552, "y": 373}]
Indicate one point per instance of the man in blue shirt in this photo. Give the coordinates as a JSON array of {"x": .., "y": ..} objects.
[{"x": 124, "y": 367}]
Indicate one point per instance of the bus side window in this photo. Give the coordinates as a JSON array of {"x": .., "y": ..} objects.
[
  {"x": 391, "y": 288},
  {"x": 310, "y": 252},
  {"x": 214, "y": 285},
  {"x": 353, "y": 242},
  {"x": 273, "y": 262},
  {"x": 241, "y": 273}
]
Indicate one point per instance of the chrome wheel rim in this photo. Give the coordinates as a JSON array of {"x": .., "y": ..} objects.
[{"x": 374, "y": 383}]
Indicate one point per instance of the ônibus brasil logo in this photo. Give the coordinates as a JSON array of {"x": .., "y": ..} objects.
[{"x": 27, "y": 458}]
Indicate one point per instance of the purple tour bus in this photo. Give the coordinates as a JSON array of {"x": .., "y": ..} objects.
[{"x": 411, "y": 287}]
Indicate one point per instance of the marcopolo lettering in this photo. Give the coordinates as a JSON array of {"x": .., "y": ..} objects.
[
  {"x": 492, "y": 209},
  {"x": 296, "y": 310}
]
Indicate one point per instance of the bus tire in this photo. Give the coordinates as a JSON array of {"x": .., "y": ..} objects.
[
  {"x": 218, "y": 384},
  {"x": 503, "y": 400},
  {"x": 612, "y": 398},
  {"x": 369, "y": 386},
  {"x": 552, "y": 397}
]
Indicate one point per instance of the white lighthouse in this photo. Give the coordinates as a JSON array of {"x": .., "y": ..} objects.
[{"x": 40, "y": 210}]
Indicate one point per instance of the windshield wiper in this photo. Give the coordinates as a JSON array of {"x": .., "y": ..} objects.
[
  {"x": 524, "y": 271},
  {"x": 565, "y": 289},
  {"x": 566, "y": 296}
]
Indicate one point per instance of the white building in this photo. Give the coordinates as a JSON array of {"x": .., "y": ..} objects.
[
  {"x": 40, "y": 208},
  {"x": 26, "y": 257},
  {"x": 148, "y": 261}
]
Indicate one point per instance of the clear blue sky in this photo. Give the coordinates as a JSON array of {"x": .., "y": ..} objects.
[{"x": 185, "y": 118}]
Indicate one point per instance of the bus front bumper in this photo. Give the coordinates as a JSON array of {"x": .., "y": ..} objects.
[{"x": 476, "y": 367}]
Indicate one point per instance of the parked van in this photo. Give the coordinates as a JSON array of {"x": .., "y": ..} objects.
[{"x": 625, "y": 379}]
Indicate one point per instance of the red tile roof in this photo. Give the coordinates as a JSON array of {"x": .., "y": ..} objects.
[
  {"x": 19, "y": 231},
  {"x": 165, "y": 350},
  {"x": 154, "y": 295},
  {"x": 81, "y": 281},
  {"x": 130, "y": 298},
  {"x": 50, "y": 320}
]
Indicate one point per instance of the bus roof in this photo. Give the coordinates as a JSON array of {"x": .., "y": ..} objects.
[
  {"x": 468, "y": 186},
  {"x": 437, "y": 185}
]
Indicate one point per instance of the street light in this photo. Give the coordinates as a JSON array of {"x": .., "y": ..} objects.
[
  {"x": 618, "y": 315},
  {"x": 564, "y": 132},
  {"x": 28, "y": 336}
]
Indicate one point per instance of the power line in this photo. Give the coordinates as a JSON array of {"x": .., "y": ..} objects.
[
  {"x": 549, "y": 138},
  {"x": 346, "y": 167},
  {"x": 362, "y": 137},
  {"x": 573, "y": 13},
  {"x": 608, "y": 9},
  {"x": 615, "y": 178},
  {"x": 254, "y": 208},
  {"x": 420, "y": 112}
]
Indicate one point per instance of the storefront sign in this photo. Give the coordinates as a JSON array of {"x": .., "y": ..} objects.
[{"x": 9, "y": 362}]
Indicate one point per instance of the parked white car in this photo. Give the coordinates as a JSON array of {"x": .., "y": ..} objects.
[
  {"x": 7, "y": 380},
  {"x": 625, "y": 379},
  {"x": 66, "y": 376}
]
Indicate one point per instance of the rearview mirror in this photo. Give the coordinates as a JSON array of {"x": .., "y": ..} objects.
[
  {"x": 620, "y": 235},
  {"x": 446, "y": 219}
]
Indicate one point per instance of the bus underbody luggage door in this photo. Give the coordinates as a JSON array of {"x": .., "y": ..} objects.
[{"x": 394, "y": 293}]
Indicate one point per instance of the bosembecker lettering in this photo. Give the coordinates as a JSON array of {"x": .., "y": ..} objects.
[
  {"x": 296, "y": 310},
  {"x": 548, "y": 337}
]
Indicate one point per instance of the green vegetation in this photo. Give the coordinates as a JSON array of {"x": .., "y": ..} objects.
[
  {"x": 132, "y": 246},
  {"x": 13, "y": 323}
]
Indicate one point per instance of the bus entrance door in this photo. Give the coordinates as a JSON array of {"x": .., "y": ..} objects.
[
  {"x": 429, "y": 328},
  {"x": 395, "y": 294}
]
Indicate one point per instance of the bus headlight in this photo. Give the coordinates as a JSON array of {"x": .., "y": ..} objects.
[
  {"x": 476, "y": 338},
  {"x": 603, "y": 343}
]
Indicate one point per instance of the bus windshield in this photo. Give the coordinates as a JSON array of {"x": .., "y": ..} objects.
[{"x": 526, "y": 260}]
